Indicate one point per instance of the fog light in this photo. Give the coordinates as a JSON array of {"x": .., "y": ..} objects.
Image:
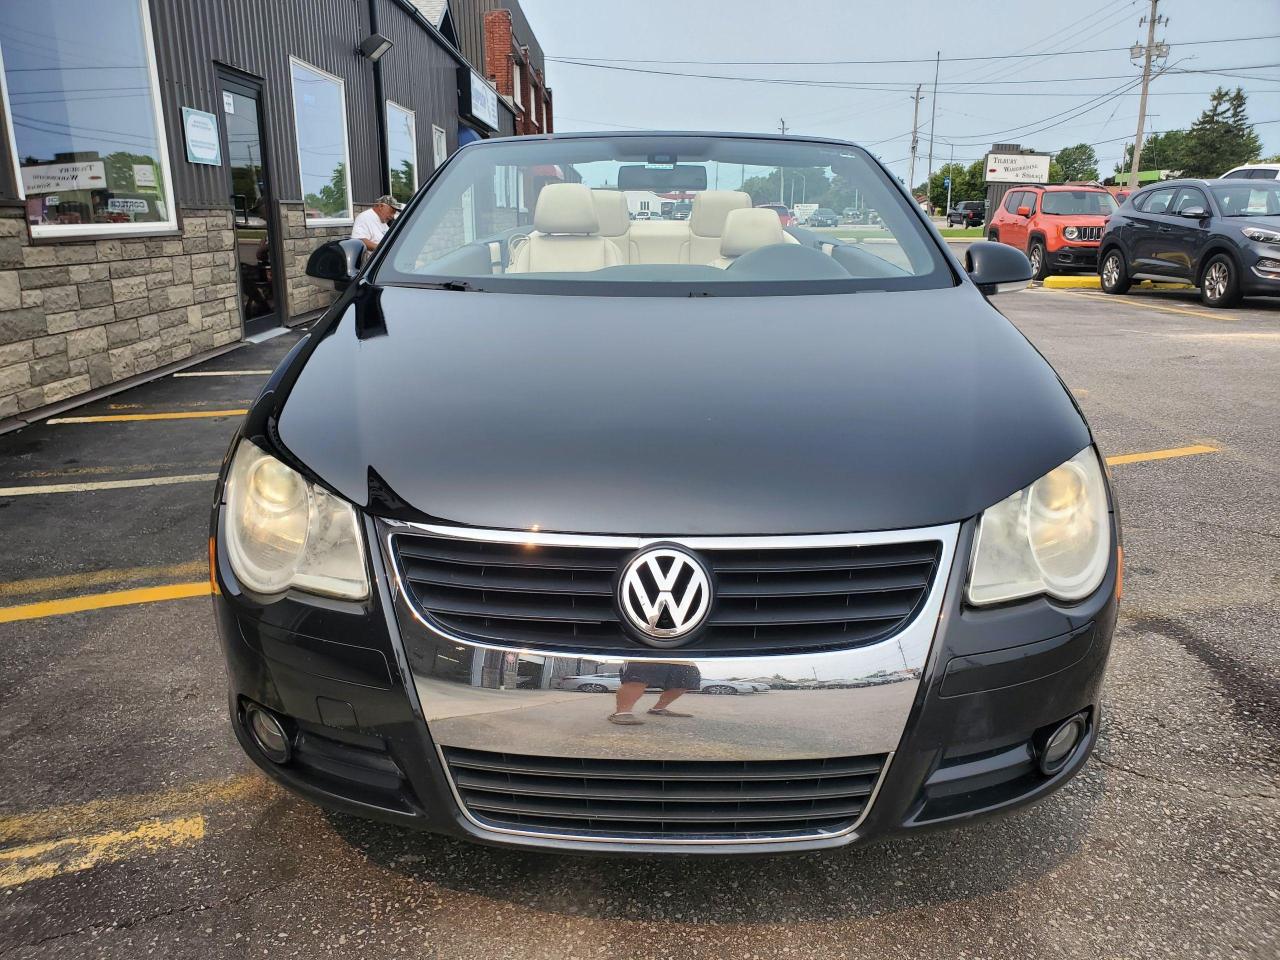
[
  {"x": 268, "y": 733},
  {"x": 1061, "y": 744}
]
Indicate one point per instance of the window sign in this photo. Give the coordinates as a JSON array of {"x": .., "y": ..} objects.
[
  {"x": 439, "y": 146},
  {"x": 320, "y": 125},
  {"x": 402, "y": 151},
  {"x": 201, "y": 132},
  {"x": 89, "y": 162},
  {"x": 477, "y": 100},
  {"x": 228, "y": 102}
]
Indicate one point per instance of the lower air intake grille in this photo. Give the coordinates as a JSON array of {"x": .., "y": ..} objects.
[{"x": 664, "y": 799}]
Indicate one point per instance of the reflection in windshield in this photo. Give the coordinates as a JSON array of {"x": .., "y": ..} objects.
[
  {"x": 1249, "y": 200},
  {"x": 1078, "y": 202}
]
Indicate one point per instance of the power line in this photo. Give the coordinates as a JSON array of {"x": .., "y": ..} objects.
[{"x": 604, "y": 61}]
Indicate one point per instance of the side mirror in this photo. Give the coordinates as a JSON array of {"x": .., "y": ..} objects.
[
  {"x": 337, "y": 260},
  {"x": 1024, "y": 211},
  {"x": 1194, "y": 213},
  {"x": 997, "y": 267}
]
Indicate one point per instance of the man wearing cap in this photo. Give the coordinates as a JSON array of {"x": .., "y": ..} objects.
[{"x": 371, "y": 226}]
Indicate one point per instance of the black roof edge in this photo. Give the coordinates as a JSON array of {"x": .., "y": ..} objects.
[{"x": 728, "y": 135}]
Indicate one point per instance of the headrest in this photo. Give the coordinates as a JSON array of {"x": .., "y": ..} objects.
[
  {"x": 710, "y": 207},
  {"x": 565, "y": 208},
  {"x": 747, "y": 230},
  {"x": 611, "y": 212}
]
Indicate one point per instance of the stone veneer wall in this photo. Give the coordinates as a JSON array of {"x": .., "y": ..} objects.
[
  {"x": 306, "y": 295},
  {"x": 75, "y": 316}
]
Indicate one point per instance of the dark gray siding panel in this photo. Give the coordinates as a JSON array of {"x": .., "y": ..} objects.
[
  {"x": 257, "y": 37},
  {"x": 420, "y": 74}
]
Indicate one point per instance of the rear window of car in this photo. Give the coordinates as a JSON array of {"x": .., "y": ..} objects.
[
  {"x": 1157, "y": 201},
  {"x": 1078, "y": 202}
]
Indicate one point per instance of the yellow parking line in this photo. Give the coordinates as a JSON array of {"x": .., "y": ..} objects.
[
  {"x": 100, "y": 601},
  {"x": 39, "y": 861},
  {"x": 179, "y": 415},
  {"x": 97, "y": 578},
  {"x": 1162, "y": 454},
  {"x": 36, "y": 489},
  {"x": 1220, "y": 316}
]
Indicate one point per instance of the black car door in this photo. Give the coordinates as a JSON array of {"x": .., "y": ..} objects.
[
  {"x": 1146, "y": 239},
  {"x": 1186, "y": 235}
]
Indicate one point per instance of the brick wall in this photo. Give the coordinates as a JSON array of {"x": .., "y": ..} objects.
[
  {"x": 501, "y": 49},
  {"x": 78, "y": 316}
]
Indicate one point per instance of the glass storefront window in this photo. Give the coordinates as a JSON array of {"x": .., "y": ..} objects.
[
  {"x": 85, "y": 128},
  {"x": 320, "y": 124},
  {"x": 402, "y": 151}
]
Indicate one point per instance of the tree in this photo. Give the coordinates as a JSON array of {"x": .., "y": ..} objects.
[
  {"x": 331, "y": 199},
  {"x": 1160, "y": 151},
  {"x": 803, "y": 185},
  {"x": 966, "y": 184},
  {"x": 1221, "y": 138},
  {"x": 402, "y": 181},
  {"x": 1079, "y": 162}
]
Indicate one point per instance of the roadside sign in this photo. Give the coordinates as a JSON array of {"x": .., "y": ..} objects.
[
  {"x": 1017, "y": 168},
  {"x": 946, "y": 182},
  {"x": 802, "y": 210}
]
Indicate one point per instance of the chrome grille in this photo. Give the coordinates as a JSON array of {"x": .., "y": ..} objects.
[
  {"x": 663, "y": 799},
  {"x": 788, "y": 599}
]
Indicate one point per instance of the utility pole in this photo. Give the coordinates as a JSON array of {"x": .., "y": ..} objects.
[
  {"x": 1147, "y": 52},
  {"x": 782, "y": 189},
  {"x": 915, "y": 143},
  {"x": 951, "y": 169},
  {"x": 933, "y": 117}
]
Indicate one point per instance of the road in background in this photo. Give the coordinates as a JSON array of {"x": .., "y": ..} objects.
[{"x": 131, "y": 824}]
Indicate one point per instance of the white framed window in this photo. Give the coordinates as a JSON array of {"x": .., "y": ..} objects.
[
  {"x": 402, "y": 151},
  {"x": 439, "y": 146},
  {"x": 86, "y": 131},
  {"x": 320, "y": 127},
  {"x": 517, "y": 82}
]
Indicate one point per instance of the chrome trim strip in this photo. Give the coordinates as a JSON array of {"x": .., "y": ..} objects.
[{"x": 665, "y": 841}]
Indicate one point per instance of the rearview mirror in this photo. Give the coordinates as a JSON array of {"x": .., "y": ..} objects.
[
  {"x": 997, "y": 267},
  {"x": 337, "y": 260},
  {"x": 662, "y": 179},
  {"x": 1194, "y": 213},
  {"x": 1024, "y": 211}
]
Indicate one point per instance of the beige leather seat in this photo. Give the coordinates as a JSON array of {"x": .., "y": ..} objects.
[
  {"x": 566, "y": 234},
  {"x": 615, "y": 220},
  {"x": 747, "y": 230},
  {"x": 706, "y": 223}
]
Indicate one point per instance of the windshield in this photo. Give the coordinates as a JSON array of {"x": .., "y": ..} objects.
[
  {"x": 1078, "y": 202},
  {"x": 1249, "y": 199},
  {"x": 586, "y": 215}
]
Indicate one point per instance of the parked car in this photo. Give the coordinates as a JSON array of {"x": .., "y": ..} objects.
[
  {"x": 968, "y": 213},
  {"x": 1223, "y": 236},
  {"x": 591, "y": 683},
  {"x": 1254, "y": 171},
  {"x": 727, "y": 687},
  {"x": 850, "y": 215},
  {"x": 823, "y": 217},
  {"x": 781, "y": 210},
  {"x": 642, "y": 214},
  {"x": 681, "y": 210},
  {"x": 856, "y": 465},
  {"x": 1058, "y": 226}
]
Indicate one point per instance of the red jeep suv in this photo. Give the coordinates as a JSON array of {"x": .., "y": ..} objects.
[{"x": 1059, "y": 227}]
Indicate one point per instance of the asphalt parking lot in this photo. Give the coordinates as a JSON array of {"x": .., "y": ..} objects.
[{"x": 131, "y": 824}]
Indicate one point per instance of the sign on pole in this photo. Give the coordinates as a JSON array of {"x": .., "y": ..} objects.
[{"x": 1017, "y": 168}]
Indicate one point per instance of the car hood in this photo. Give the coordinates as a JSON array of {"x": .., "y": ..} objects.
[{"x": 653, "y": 416}]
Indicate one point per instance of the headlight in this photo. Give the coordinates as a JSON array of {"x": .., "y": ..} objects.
[
  {"x": 1262, "y": 236},
  {"x": 1070, "y": 232},
  {"x": 282, "y": 531},
  {"x": 1052, "y": 537}
]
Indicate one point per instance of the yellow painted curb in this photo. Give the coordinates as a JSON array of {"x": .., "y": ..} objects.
[{"x": 1072, "y": 283}]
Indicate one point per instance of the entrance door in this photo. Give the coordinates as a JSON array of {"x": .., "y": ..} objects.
[{"x": 252, "y": 212}]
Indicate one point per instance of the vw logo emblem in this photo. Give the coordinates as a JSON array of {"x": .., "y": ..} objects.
[{"x": 664, "y": 594}]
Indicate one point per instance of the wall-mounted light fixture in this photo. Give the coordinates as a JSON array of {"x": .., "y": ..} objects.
[{"x": 374, "y": 46}]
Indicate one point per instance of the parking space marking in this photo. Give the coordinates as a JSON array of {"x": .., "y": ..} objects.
[
  {"x": 40, "y": 861},
  {"x": 101, "y": 601},
  {"x": 178, "y": 415},
  {"x": 224, "y": 373},
  {"x": 1125, "y": 301},
  {"x": 108, "y": 468},
  {"x": 98, "y": 578},
  {"x": 37, "y": 489},
  {"x": 1192, "y": 451}
]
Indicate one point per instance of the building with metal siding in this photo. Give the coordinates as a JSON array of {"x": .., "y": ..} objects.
[{"x": 93, "y": 298}]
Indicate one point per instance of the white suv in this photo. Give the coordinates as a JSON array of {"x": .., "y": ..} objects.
[{"x": 1254, "y": 171}]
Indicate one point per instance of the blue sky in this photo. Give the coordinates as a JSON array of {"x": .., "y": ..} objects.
[{"x": 1042, "y": 102}]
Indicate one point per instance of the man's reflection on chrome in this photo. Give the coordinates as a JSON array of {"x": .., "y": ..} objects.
[{"x": 673, "y": 679}]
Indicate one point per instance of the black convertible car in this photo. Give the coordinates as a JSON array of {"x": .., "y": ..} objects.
[{"x": 534, "y": 439}]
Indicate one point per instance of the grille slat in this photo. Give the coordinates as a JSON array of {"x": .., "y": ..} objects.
[
  {"x": 780, "y": 600},
  {"x": 1089, "y": 233},
  {"x": 661, "y": 800}
]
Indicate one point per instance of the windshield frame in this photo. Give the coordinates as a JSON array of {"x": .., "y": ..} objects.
[{"x": 381, "y": 271}]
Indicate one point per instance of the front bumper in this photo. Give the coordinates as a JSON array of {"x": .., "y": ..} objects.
[
  {"x": 375, "y": 698},
  {"x": 1075, "y": 257}
]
